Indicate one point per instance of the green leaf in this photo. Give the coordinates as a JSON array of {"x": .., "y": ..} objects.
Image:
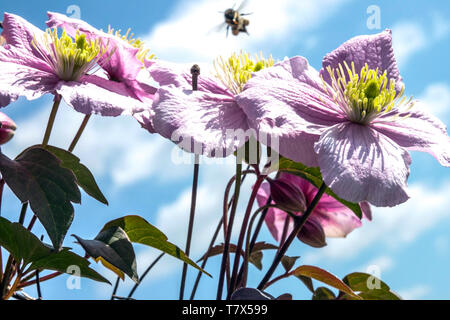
[
  {"x": 325, "y": 277},
  {"x": 85, "y": 179},
  {"x": 288, "y": 262},
  {"x": 37, "y": 176},
  {"x": 323, "y": 293},
  {"x": 64, "y": 261},
  {"x": 20, "y": 242},
  {"x": 113, "y": 248},
  {"x": 307, "y": 281},
  {"x": 256, "y": 259},
  {"x": 359, "y": 281},
  {"x": 313, "y": 175},
  {"x": 24, "y": 245},
  {"x": 140, "y": 231},
  {"x": 379, "y": 294}
]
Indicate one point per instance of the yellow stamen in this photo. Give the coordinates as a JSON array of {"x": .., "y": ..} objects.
[
  {"x": 70, "y": 58},
  {"x": 366, "y": 95},
  {"x": 237, "y": 69}
]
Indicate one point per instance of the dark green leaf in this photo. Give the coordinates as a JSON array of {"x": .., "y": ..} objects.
[
  {"x": 323, "y": 293},
  {"x": 379, "y": 294},
  {"x": 313, "y": 175},
  {"x": 64, "y": 261},
  {"x": 20, "y": 242},
  {"x": 307, "y": 281},
  {"x": 85, "y": 179},
  {"x": 112, "y": 246},
  {"x": 256, "y": 259},
  {"x": 140, "y": 231},
  {"x": 325, "y": 277},
  {"x": 36, "y": 176},
  {"x": 24, "y": 245},
  {"x": 360, "y": 281},
  {"x": 288, "y": 262}
]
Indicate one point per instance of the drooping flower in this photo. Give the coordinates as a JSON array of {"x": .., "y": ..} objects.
[
  {"x": 351, "y": 119},
  {"x": 207, "y": 121},
  {"x": 125, "y": 58},
  {"x": 7, "y": 128},
  {"x": 330, "y": 218},
  {"x": 34, "y": 62}
]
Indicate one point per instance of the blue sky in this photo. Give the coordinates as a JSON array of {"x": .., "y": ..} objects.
[{"x": 409, "y": 244}]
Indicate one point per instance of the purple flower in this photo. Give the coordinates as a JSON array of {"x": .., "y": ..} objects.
[
  {"x": 207, "y": 121},
  {"x": 7, "y": 128},
  {"x": 124, "y": 60},
  {"x": 330, "y": 218},
  {"x": 34, "y": 63},
  {"x": 351, "y": 119}
]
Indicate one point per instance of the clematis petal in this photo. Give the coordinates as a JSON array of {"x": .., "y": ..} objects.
[
  {"x": 19, "y": 33},
  {"x": 275, "y": 218},
  {"x": 361, "y": 164},
  {"x": 419, "y": 131},
  {"x": 21, "y": 80},
  {"x": 100, "y": 96},
  {"x": 168, "y": 73},
  {"x": 375, "y": 50},
  {"x": 200, "y": 122},
  {"x": 282, "y": 105}
]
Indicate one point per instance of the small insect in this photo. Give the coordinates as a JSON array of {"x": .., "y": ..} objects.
[{"x": 234, "y": 20}]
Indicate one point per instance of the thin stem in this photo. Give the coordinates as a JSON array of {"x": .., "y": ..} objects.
[
  {"x": 237, "y": 254},
  {"x": 191, "y": 223},
  {"x": 47, "y": 277},
  {"x": 116, "y": 286},
  {"x": 298, "y": 225},
  {"x": 2, "y": 185},
  {"x": 51, "y": 120},
  {"x": 280, "y": 277},
  {"x": 285, "y": 231},
  {"x": 32, "y": 221},
  {"x": 23, "y": 212},
  {"x": 225, "y": 256},
  {"x": 79, "y": 132},
  {"x": 38, "y": 286},
  {"x": 144, "y": 274}
]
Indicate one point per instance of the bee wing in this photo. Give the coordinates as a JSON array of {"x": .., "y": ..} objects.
[
  {"x": 243, "y": 4},
  {"x": 217, "y": 28}
]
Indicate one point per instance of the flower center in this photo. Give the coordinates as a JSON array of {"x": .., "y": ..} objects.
[
  {"x": 143, "y": 53},
  {"x": 237, "y": 69},
  {"x": 365, "y": 95},
  {"x": 69, "y": 58}
]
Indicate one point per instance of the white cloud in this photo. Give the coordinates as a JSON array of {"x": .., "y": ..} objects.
[
  {"x": 382, "y": 264},
  {"x": 186, "y": 35},
  {"x": 415, "y": 293},
  {"x": 436, "y": 99},
  {"x": 391, "y": 227},
  {"x": 410, "y": 38}
]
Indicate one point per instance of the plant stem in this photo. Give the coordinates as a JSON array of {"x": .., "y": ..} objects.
[
  {"x": 298, "y": 225},
  {"x": 237, "y": 254},
  {"x": 47, "y": 277},
  {"x": 144, "y": 274},
  {"x": 116, "y": 286},
  {"x": 79, "y": 132},
  {"x": 23, "y": 212},
  {"x": 191, "y": 223},
  {"x": 51, "y": 120},
  {"x": 271, "y": 282},
  {"x": 225, "y": 257}
]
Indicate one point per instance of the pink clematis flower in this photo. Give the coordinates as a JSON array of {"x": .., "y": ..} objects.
[
  {"x": 351, "y": 119},
  {"x": 123, "y": 62},
  {"x": 330, "y": 218},
  {"x": 34, "y": 62},
  {"x": 207, "y": 121}
]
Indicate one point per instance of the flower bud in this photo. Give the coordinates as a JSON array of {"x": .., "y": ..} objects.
[
  {"x": 7, "y": 128},
  {"x": 287, "y": 196},
  {"x": 312, "y": 234}
]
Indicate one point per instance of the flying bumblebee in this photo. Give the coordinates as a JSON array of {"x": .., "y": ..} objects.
[{"x": 234, "y": 20}]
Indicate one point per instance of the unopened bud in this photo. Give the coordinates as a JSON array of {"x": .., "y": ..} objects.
[
  {"x": 287, "y": 196},
  {"x": 312, "y": 234},
  {"x": 7, "y": 128}
]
